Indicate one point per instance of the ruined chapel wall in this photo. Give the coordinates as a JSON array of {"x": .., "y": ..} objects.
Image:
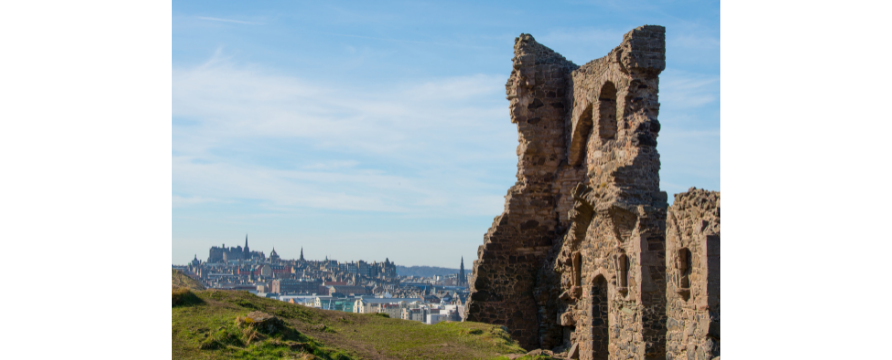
[
  {"x": 628, "y": 158},
  {"x": 514, "y": 247},
  {"x": 582, "y": 240},
  {"x": 548, "y": 282},
  {"x": 619, "y": 211},
  {"x": 693, "y": 232}
]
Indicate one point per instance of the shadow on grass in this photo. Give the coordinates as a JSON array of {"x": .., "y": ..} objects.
[{"x": 185, "y": 297}]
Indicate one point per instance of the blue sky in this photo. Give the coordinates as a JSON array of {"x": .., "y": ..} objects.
[{"x": 365, "y": 130}]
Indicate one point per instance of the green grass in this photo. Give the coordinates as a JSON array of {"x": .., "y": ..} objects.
[
  {"x": 183, "y": 280},
  {"x": 185, "y": 297},
  {"x": 206, "y": 328}
]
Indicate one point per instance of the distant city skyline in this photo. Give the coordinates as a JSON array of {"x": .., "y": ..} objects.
[
  {"x": 301, "y": 256},
  {"x": 362, "y": 133}
]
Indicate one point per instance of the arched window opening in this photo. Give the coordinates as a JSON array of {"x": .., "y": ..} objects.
[
  {"x": 622, "y": 273},
  {"x": 607, "y": 112},
  {"x": 579, "y": 141},
  {"x": 683, "y": 265},
  {"x": 600, "y": 323}
]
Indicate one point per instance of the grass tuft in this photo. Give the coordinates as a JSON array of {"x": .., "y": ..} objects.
[
  {"x": 182, "y": 280},
  {"x": 246, "y": 304},
  {"x": 185, "y": 297}
]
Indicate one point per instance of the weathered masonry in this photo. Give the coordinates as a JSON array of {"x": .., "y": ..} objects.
[
  {"x": 693, "y": 231},
  {"x": 577, "y": 262}
]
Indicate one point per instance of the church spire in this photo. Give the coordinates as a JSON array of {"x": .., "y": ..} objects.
[
  {"x": 301, "y": 253},
  {"x": 462, "y": 279}
]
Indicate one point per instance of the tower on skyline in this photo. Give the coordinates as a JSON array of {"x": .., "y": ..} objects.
[{"x": 462, "y": 279}]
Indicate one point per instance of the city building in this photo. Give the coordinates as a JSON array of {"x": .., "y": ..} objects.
[
  {"x": 365, "y": 305},
  {"x": 295, "y": 286},
  {"x": 224, "y": 254}
]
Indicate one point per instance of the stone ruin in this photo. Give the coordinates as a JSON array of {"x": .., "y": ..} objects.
[{"x": 587, "y": 258}]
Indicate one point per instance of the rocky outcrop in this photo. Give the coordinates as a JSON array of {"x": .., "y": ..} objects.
[{"x": 262, "y": 321}]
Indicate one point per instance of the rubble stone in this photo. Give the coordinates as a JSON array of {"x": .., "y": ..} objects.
[{"x": 265, "y": 322}]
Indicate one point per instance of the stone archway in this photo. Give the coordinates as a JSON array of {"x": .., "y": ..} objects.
[{"x": 600, "y": 323}]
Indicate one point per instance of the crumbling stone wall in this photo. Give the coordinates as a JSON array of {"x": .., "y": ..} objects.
[
  {"x": 617, "y": 229},
  {"x": 515, "y": 245},
  {"x": 693, "y": 234},
  {"x": 582, "y": 241}
]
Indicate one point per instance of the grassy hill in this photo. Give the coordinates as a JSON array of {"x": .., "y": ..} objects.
[
  {"x": 183, "y": 280},
  {"x": 212, "y": 324}
]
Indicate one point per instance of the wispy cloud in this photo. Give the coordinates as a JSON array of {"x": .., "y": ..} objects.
[
  {"x": 392, "y": 148},
  {"x": 260, "y": 135},
  {"x": 583, "y": 36},
  {"x": 692, "y": 41},
  {"x": 693, "y": 156},
  {"x": 409, "y": 41},
  {"x": 581, "y": 45},
  {"x": 332, "y": 165},
  {"x": 229, "y": 20},
  {"x": 684, "y": 90},
  {"x": 307, "y": 189},
  {"x": 244, "y": 101},
  {"x": 183, "y": 201}
]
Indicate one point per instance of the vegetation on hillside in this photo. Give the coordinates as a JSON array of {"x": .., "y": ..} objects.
[
  {"x": 213, "y": 324},
  {"x": 184, "y": 281}
]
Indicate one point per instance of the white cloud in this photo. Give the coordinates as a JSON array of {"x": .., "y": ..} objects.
[
  {"x": 182, "y": 201},
  {"x": 692, "y": 41},
  {"x": 689, "y": 158},
  {"x": 581, "y": 45},
  {"x": 394, "y": 148},
  {"x": 582, "y": 36},
  {"x": 689, "y": 134},
  {"x": 345, "y": 139},
  {"x": 228, "y": 20},
  {"x": 318, "y": 189},
  {"x": 246, "y": 101},
  {"x": 332, "y": 165},
  {"x": 682, "y": 90}
]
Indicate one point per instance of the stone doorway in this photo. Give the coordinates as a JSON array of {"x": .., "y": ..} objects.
[{"x": 599, "y": 319}]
